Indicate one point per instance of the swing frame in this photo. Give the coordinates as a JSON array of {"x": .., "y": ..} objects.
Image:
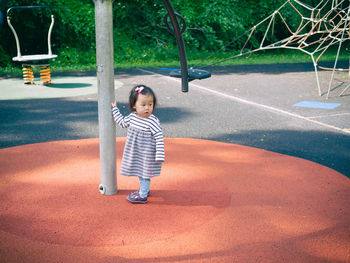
[
  {"x": 184, "y": 73},
  {"x": 19, "y": 56}
]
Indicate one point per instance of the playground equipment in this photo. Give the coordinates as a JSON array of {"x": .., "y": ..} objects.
[
  {"x": 105, "y": 84},
  {"x": 37, "y": 60},
  {"x": 320, "y": 27},
  {"x": 185, "y": 74},
  {"x": 105, "y": 59}
]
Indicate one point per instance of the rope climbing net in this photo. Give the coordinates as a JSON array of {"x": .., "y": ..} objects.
[{"x": 319, "y": 28}]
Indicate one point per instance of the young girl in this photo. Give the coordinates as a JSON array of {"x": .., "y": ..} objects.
[{"x": 144, "y": 148}]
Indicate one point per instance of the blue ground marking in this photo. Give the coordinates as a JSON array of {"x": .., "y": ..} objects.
[
  {"x": 317, "y": 105},
  {"x": 168, "y": 68}
]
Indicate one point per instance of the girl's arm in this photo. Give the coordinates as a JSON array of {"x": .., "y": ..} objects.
[
  {"x": 122, "y": 121},
  {"x": 157, "y": 134},
  {"x": 160, "y": 156}
]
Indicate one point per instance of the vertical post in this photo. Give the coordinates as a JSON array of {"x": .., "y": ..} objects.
[
  {"x": 180, "y": 45},
  {"x": 105, "y": 84}
]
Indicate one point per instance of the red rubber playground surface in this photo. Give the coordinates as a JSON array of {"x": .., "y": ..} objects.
[{"x": 214, "y": 202}]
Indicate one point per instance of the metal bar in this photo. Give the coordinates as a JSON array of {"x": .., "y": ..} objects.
[
  {"x": 180, "y": 44},
  {"x": 15, "y": 33},
  {"x": 28, "y": 7},
  {"x": 49, "y": 35},
  {"x": 16, "y": 37}
]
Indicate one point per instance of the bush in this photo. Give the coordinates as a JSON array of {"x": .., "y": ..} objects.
[{"x": 140, "y": 35}]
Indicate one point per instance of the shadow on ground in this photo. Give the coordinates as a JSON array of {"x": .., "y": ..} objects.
[
  {"x": 34, "y": 121},
  {"x": 326, "y": 148}
]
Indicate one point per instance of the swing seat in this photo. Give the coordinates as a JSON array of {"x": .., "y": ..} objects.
[
  {"x": 33, "y": 60},
  {"x": 192, "y": 74},
  {"x": 34, "y": 57}
]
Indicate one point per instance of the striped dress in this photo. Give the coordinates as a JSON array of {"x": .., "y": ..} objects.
[{"x": 144, "y": 147}]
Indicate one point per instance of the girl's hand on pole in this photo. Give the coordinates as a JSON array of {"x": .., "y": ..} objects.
[{"x": 114, "y": 104}]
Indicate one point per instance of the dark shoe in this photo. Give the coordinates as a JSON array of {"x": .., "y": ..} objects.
[
  {"x": 137, "y": 192},
  {"x": 135, "y": 198}
]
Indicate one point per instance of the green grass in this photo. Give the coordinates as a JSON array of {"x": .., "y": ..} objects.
[{"x": 75, "y": 60}]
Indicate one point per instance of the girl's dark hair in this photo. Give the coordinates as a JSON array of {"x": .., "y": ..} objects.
[{"x": 140, "y": 89}]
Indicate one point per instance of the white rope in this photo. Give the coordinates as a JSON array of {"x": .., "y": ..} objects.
[
  {"x": 319, "y": 26},
  {"x": 329, "y": 25},
  {"x": 322, "y": 28}
]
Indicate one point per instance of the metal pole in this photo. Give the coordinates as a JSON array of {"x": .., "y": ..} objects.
[
  {"x": 180, "y": 44},
  {"x": 105, "y": 84}
]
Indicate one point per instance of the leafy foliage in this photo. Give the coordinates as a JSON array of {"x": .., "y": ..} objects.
[{"x": 140, "y": 34}]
